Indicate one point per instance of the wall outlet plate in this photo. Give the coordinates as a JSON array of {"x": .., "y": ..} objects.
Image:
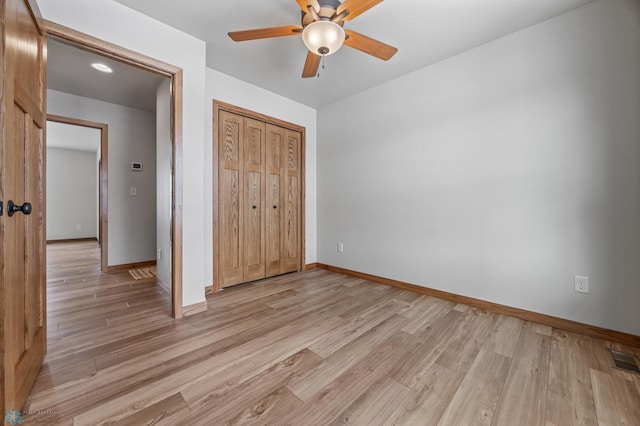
[
  {"x": 581, "y": 284},
  {"x": 340, "y": 247}
]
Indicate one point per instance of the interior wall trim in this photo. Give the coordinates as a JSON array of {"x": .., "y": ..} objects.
[
  {"x": 551, "y": 321},
  {"x": 194, "y": 309},
  {"x": 72, "y": 240},
  {"x": 127, "y": 266}
]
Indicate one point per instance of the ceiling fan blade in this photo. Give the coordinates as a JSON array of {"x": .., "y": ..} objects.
[
  {"x": 288, "y": 30},
  {"x": 304, "y": 3},
  {"x": 369, "y": 45},
  {"x": 311, "y": 65},
  {"x": 356, "y": 7}
]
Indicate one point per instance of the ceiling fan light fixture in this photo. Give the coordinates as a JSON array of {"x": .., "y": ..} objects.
[{"x": 323, "y": 37}]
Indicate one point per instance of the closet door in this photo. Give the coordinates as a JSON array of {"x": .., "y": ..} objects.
[
  {"x": 258, "y": 213},
  {"x": 255, "y": 187},
  {"x": 292, "y": 211},
  {"x": 231, "y": 198},
  {"x": 274, "y": 216}
]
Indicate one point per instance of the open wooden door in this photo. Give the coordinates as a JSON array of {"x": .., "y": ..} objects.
[{"x": 22, "y": 223}]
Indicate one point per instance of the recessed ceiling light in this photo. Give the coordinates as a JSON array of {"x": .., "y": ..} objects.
[{"x": 102, "y": 67}]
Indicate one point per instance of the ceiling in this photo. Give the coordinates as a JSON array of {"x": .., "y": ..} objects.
[
  {"x": 69, "y": 70},
  {"x": 424, "y": 31}
]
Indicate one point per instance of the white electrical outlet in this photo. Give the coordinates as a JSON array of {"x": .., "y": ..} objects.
[
  {"x": 340, "y": 247},
  {"x": 133, "y": 191},
  {"x": 159, "y": 254},
  {"x": 581, "y": 284},
  {"x": 79, "y": 227}
]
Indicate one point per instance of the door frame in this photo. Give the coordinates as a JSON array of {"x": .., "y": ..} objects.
[
  {"x": 102, "y": 196},
  {"x": 92, "y": 44},
  {"x": 217, "y": 106}
]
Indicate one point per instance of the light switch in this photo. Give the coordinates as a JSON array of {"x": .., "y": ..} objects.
[{"x": 133, "y": 191}]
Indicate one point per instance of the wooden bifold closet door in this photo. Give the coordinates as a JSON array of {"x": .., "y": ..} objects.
[{"x": 259, "y": 217}]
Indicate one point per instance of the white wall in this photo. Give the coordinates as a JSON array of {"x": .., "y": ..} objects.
[
  {"x": 222, "y": 87},
  {"x": 115, "y": 23},
  {"x": 500, "y": 173},
  {"x": 163, "y": 183},
  {"x": 72, "y": 193},
  {"x": 132, "y": 220}
]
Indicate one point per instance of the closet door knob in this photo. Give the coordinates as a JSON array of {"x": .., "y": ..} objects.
[
  {"x": 254, "y": 207},
  {"x": 275, "y": 207}
]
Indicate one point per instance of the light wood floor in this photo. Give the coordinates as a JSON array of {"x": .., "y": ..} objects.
[{"x": 311, "y": 348}]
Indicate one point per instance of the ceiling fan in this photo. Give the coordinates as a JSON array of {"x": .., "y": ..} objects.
[{"x": 322, "y": 31}]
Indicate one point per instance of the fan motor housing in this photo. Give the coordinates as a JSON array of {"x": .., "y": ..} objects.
[
  {"x": 327, "y": 10},
  {"x": 329, "y": 3}
]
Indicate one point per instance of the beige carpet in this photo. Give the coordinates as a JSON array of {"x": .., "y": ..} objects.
[{"x": 143, "y": 273}]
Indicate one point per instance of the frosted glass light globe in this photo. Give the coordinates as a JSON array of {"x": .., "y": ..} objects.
[{"x": 323, "y": 37}]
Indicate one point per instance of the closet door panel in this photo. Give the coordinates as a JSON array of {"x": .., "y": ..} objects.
[
  {"x": 255, "y": 186},
  {"x": 231, "y": 133},
  {"x": 274, "y": 218},
  {"x": 292, "y": 260}
]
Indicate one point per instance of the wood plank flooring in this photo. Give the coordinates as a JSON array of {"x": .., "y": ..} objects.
[{"x": 310, "y": 348}]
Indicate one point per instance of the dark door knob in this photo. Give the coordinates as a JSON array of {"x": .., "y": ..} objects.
[
  {"x": 14, "y": 208},
  {"x": 275, "y": 207},
  {"x": 254, "y": 207}
]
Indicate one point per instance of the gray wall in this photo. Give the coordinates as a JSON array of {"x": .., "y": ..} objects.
[
  {"x": 72, "y": 194},
  {"x": 132, "y": 220},
  {"x": 500, "y": 173},
  {"x": 163, "y": 182}
]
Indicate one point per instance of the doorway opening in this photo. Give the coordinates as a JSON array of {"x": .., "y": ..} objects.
[
  {"x": 74, "y": 137},
  {"x": 173, "y": 74}
]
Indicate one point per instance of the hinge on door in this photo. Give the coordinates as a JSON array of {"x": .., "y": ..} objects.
[{"x": 1, "y": 210}]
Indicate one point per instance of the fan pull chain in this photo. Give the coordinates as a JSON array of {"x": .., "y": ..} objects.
[{"x": 322, "y": 65}]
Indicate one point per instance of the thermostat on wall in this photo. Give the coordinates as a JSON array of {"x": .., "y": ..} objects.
[{"x": 136, "y": 166}]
